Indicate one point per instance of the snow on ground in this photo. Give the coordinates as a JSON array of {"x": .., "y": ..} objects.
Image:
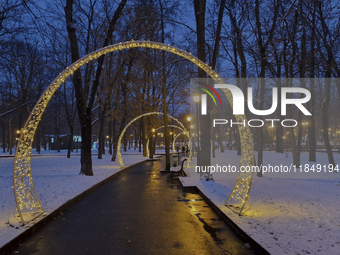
[
  {"x": 56, "y": 180},
  {"x": 297, "y": 213}
]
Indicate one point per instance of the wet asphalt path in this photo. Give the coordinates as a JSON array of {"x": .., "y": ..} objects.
[{"x": 138, "y": 212}]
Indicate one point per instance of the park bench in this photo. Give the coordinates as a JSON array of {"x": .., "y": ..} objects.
[{"x": 179, "y": 170}]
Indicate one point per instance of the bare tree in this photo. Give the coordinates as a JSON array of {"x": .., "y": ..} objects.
[{"x": 84, "y": 101}]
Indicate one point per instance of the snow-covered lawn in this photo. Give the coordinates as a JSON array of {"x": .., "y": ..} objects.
[
  {"x": 297, "y": 213},
  {"x": 56, "y": 180}
]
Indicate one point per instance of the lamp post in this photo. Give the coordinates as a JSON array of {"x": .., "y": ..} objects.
[
  {"x": 151, "y": 144},
  {"x": 305, "y": 124},
  {"x": 196, "y": 100},
  {"x": 107, "y": 140}
]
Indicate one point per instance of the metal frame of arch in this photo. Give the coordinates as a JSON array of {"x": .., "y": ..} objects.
[{"x": 24, "y": 192}]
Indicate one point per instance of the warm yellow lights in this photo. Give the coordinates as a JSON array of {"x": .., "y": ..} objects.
[
  {"x": 189, "y": 118},
  {"x": 174, "y": 141},
  {"x": 25, "y": 196},
  {"x": 119, "y": 155}
]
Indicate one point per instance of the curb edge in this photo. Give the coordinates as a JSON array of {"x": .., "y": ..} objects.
[{"x": 258, "y": 248}]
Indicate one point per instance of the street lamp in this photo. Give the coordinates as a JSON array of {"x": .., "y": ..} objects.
[
  {"x": 18, "y": 133},
  {"x": 107, "y": 141}
]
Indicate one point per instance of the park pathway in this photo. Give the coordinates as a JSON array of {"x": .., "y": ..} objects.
[{"x": 137, "y": 212}]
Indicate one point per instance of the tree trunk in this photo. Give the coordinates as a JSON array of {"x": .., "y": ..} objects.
[
  {"x": 70, "y": 142},
  {"x": 150, "y": 146},
  {"x": 311, "y": 128},
  {"x": 86, "y": 146},
  {"x": 325, "y": 119},
  {"x": 204, "y": 158},
  {"x": 220, "y": 140},
  {"x": 3, "y": 137},
  {"x": 143, "y": 125},
  {"x": 140, "y": 136},
  {"x": 114, "y": 141},
  {"x": 213, "y": 135},
  {"x": 165, "y": 106},
  {"x": 239, "y": 49},
  {"x": 125, "y": 143},
  {"x": 262, "y": 51},
  {"x": 101, "y": 135},
  {"x": 279, "y": 128},
  {"x": 299, "y": 136},
  {"x": 110, "y": 137},
  {"x": 10, "y": 138},
  {"x": 85, "y": 104}
]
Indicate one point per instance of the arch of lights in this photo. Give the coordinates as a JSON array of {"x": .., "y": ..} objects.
[
  {"x": 173, "y": 142},
  {"x": 178, "y": 136},
  {"x": 25, "y": 195},
  {"x": 119, "y": 155}
]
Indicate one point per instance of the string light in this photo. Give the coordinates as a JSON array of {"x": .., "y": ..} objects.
[
  {"x": 173, "y": 126},
  {"x": 119, "y": 155},
  {"x": 183, "y": 132},
  {"x": 155, "y": 130},
  {"x": 173, "y": 142},
  {"x": 24, "y": 192}
]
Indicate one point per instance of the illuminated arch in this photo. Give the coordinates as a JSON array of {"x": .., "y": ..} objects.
[
  {"x": 25, "y": 195},
  {"x": 174, "y": 126},
  {"x": 178, "y": 136},
  {"x": 119, "y": 155},
  {"x": 173, "y": 142}
]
